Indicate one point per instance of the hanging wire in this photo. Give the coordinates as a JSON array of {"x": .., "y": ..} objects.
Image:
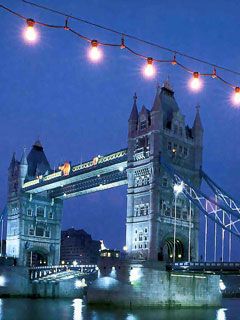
[
  {"x": 122, "y": 44},
  {"x": 130, "y": 36}
]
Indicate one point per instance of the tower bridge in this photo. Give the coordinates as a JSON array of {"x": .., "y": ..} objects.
[
  {"x": 161, "y": 223},
  {"x": 103, "y": 172}
]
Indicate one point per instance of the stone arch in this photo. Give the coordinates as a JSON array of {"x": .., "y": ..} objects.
[
  {"x": 167, "y": 248},
  {"x": 37, "y": 256}
]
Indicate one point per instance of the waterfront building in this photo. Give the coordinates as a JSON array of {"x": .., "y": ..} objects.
[{"x": 78, "y": 246}]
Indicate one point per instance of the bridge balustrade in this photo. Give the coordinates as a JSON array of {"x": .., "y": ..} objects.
[{"x": 43, "y": 271}]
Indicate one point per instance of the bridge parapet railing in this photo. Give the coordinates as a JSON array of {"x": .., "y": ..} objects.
[
  {"x": 205, "y": 266},
  {"x": 43, "y": 271}
]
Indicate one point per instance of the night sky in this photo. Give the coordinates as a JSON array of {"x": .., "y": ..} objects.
[{"x": 78, "y": 109}]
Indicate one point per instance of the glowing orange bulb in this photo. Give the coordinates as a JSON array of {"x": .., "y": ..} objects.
[
  {"x": 30, "y": 32},
  {"x": 95, "y": 54},
  {"x": 149, "y": 70},
  {"x": 236, "y": 96},
  {"x": 195, "y": 83}
]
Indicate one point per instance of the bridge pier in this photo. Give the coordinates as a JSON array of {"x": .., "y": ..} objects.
[{"x": 147, "y": 284}]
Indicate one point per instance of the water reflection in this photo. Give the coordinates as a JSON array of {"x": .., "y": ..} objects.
[
  {"x": 41, "y": 309},
  {"x": 221, "y": 315},
  {"x": 77, "y": 309}
]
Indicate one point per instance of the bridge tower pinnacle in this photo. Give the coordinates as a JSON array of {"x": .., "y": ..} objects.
[
  {"x": 161, "y": 133},
  {"x": 33, "y": 226}
]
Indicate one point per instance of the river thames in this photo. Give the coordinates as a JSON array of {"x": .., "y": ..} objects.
[{"x": 41, "y": 309}]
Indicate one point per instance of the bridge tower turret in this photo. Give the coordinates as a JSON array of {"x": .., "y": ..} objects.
[
  {"x": 33, "y": 223},
  {"x": 153, "y": 134}
]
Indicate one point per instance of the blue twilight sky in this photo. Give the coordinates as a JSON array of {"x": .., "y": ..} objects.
[{"x": 79, "y": 110}]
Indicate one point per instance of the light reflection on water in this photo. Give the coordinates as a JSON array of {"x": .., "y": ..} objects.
[{"x": 41, "y": 309}]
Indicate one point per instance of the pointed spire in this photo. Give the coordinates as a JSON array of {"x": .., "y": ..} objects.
[
  {"x": 13, "y": 158},
  {"x": 157, "y": 101},
  {"x": 197, "y": 121},
  {"x": 13, "y": 161},
  {"x": 134, "y": 113},
  {"x": 144, "y": 110},
  {"x": 24, "y": 158},
  {"x": 167, "y": 84},
  {"x": 38, "y": 144}
]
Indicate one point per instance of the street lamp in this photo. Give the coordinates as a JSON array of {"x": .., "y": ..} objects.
[{"x": 177, "y": 188}]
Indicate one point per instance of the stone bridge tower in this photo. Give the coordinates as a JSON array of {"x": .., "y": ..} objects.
[
  {"x": 155, "y": 133},
  {"x": 34, "y": 221}
]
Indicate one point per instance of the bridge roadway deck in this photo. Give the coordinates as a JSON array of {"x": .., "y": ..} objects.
[{"x": 103, "y": 172}]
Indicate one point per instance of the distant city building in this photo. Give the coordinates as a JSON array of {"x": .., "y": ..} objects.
[
  {"x": 110, "y": 253},
  {"x": 78, "y": 246}
]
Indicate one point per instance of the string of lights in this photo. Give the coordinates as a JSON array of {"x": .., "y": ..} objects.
[{"x": 95, "y": 53}]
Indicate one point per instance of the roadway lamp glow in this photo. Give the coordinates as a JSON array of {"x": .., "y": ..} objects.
[
  {"x": 2, "y": 281},
  {"x": 80, "y": 283},
  {"x": 222, "y": 285},
  {"x": 178, "y": 188},
  {"x": 74, "y": 263},
  {"x": 95, "y": 53},
  {"x": 30, "y": 33}
]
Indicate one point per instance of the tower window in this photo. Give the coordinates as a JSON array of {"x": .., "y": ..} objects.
[
  {"x": 39, "y": 232},
  {"x": 40, "y": 212},
  {"x": 29, "y": 212},
  {"x": 164, "y": 182},
  {"x": 143, "y": 125},
  {"x": 47, "y": 233},
  {"x": 50, "y": 215},
  {"x": 31, "y": 232},
  {"x": 185, "y": 151}
]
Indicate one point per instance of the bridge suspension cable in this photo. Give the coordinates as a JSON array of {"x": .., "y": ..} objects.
[{"x": 220, "y": 208}]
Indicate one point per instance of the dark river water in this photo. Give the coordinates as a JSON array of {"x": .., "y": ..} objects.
[{"x": 44, "y": 309}]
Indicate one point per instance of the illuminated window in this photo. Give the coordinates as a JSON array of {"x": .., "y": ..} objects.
[
  {"x": 40, "y": 212},
  {"x": 39, "y": 232},
  {"x": 29, "y": 212}
]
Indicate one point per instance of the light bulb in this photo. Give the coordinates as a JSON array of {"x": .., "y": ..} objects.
[
  {"x": 149, "y": 70},
  {"x": 195, "y": 82},
  {"x": 236, "y": 96},
  {"x": 95, "y": 53},
  {"x": 30, "y": 33}
]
